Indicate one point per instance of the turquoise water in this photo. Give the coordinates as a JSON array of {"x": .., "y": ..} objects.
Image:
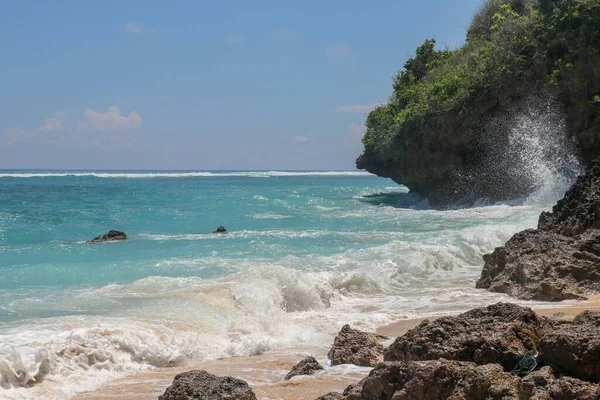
[{"x": 306, "y": 253}]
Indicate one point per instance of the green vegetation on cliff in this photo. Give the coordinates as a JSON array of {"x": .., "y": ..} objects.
[{"x": 537, "y": 43}]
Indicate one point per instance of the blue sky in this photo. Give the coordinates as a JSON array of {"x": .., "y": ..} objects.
[{"x": 204, "y": 85}]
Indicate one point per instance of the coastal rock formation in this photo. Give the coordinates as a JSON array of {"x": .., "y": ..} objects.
[
  {"x": 331, "y": 396},
  {"x": 202, "y": 385},
  {"x": 308, "y": 366},
  {"x": 460, "y": 380},
  {"x": 352, "y": 346},
  {"x": 574, "y": 347},
  {"x": 220, "y": 229},
  {"x": 446, "y": 131},
  {"x": 560, "y": 259},
  {"x": 111, "y": 236},
  {"x": 501, "y": 333}
]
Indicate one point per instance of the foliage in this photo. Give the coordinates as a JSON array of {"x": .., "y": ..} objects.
[{"x": 552, "y": 42}]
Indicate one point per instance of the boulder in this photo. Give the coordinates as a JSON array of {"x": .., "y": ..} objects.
[
  {"x": 308, "y": 366},
  {"x": 331, "y": 396},
  {"x": 352, "y": 346},
  {"x": 501, "y": 333},
  {"x": 111, "y": 236},
  {"x": 540, "y": 265},
  {"x": 196, "y": 384},
  {"x": 220, "y": 229},
  {"x": 461, "y": 380},
  {"x": 560, "y": 259},
  {"x": 574, "y": 347}
]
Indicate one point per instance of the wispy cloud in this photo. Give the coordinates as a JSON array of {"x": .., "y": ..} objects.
[
  {"x": 234, "y": 39},
  {"x": 300, "y": 139},
  {"x": 355, "y": 108},
  {"x": 356, "y": 131},
  {"x": 47, "y": 131},
  {"x": 284, "y": 35},
  {"x": 135, "y": 27},
  {"x": 339, "y": 52},
  {"x": 109, "y": 120}
]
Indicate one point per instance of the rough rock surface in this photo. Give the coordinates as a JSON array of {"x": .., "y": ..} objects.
[
  {"x": 220, "y": 229},
  {"x": 194, "y": 385},
  {"x": 352, "y": 346},
  {"x": 460, "y": 380},
  {"x": 308, "y": 366},
  {"x": 331, "y": 396},
  {"x": 561, "y": 259},
  {"x": 501, "y": 333},
  {"x": 574, "y": 347},
  {"x": 111, "y": 236}
]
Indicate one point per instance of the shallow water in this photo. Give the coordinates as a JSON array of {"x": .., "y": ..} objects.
[{"x": 306, "y": 253}]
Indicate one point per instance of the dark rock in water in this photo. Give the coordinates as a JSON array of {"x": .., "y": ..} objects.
[
  {"x": 561, "y": 259},
  {"x": 221, "y": 229},
  {"x": 202, "y": 385},
  {"x": 501, "y": 333},
  {"x": 331, "y": 396},
  {"x": 308, "y": 366},
  {"x": 579, "y": 210},
  {"x": 460, "y": 380},
  {"x": 111, "y": 236},
  {"x": 574, "y": 347},
  {"x": 352, "y": 346}
]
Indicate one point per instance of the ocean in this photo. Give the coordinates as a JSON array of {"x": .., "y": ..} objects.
[{"x": 306, "y": 253}]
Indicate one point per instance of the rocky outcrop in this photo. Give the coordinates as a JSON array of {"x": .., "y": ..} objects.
[
  {"x": 501, "y": 333},
  {"x": 220, "y": 230},
  {"x": 574, "y": 347},
  {"x": 308, "y": 366},
  {"x": 352, "y": 346},
  {"x": 460, "y": 380},
  {"x": 202, "y": 385},
  {"x": 560, "y": 259},
  {"x": 111, "y": 236},
  {"x": 331, "y": 396}
]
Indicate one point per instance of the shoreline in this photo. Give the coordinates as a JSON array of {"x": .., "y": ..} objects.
[{"x": 265, "y": 372}]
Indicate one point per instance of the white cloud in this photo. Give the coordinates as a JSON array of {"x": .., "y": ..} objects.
[
  {"x": 135, "y": 27},
  {"x": 356, "y": 108},
  {"x": 234, "y": 39},
  {"x": 53, "y": 124},
  {"x": 356, "y": 131},
  {"x": 339, "y": 52},
  {"x": 300, "y": 139},
  {"x": 47, "y": 131},
  {"x": 109, "y": 120}
]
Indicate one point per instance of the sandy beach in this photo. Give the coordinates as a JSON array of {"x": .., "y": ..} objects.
[{"x": 265, "y": 372}]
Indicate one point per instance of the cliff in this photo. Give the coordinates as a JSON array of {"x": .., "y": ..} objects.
[{"x": 445, "y": 131}]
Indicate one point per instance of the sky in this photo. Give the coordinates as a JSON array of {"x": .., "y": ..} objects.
[{"x": 198, "y": 85}]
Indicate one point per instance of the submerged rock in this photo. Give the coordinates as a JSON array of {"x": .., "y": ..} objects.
[
  {"x": 352, "y": 346},
  {"x": 561, "y": 259},
  {"x": 221, "y": 229},
  {"x": 308, "y": 366},
  {"x": 111, "y": 236},
  {"x": 331, "y": 396},
  {"x": 501, "y": 333},
  {"x": 202, "y": 385}
]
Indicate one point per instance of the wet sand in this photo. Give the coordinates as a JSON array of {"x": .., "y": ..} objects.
[{"x": 265, "y": 372}]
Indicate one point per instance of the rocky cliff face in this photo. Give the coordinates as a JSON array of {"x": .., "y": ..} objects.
[
  {"x": 448, "y": 130},
  {"x": 561, "y": 259}
]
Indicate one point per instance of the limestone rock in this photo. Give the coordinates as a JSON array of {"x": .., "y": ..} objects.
[
  {"x": 308, "y": 366},
  {"x": 352, "y": 346},
  {"x": 501, "y": 333},
  {"x": 193, "y": 385}
]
